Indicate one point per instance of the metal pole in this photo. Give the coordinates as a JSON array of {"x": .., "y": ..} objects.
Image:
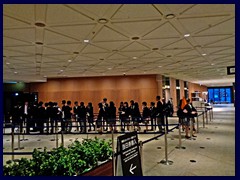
[
  {"x": 203, "y": 115},
  {"x": 197, "y": 125},
  {"x": 206, "y": 116},
  {"x": 166, "y": 161},
  {"x": 180, "y": 138},
  {"x": 113, "y": 158},
  {"x": 56, "y": 131},
  {"x": 210, "y": 116},
  {"x": 191, "y": 127},
  {"x": 62, "y": 138},
  {"x": 12, "y": 144},
  {"x": 141, "y": 152},
  {"x": 18, "y": 141}
]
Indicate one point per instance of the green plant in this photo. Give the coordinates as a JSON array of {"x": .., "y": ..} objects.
[{"x": 73, "y": 160}]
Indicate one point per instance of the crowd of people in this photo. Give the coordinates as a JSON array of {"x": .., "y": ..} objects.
[{"x": 83, "y": 118}]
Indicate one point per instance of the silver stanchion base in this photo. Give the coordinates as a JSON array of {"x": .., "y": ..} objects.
[
  {"x": 166, "y": 162},
  {"x": 19, "y": 148}
]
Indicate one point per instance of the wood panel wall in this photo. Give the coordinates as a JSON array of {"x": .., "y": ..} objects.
[{"x": 94, "y": 89}]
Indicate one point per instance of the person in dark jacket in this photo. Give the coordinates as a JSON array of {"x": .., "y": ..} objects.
[
  {"x": 90, "y": 116},
  {"x": 82, "y": 117},
  {"x": 34, "y": 109},
  {"x": 153, "y": 116},
  {"x": 145, "y": 115},
  {"x": 100, "y": 117},
  {"x": 159, "y": 114},
  {"x": 63, "y": 119},
  {"x": 112, "y": 116},
  {"x": 170, "y": 107},
  {"x": 189, "y": 113},
  {"x": 105, "y": 114},
  {"x": 136, "y": 117},
  {"x": 76, "y": 113},
  {"x": 26, "y": 115},
  {"x": 16, "y": 118},
  {"x": 125, "y": 113},
  {"x": 120, "y": 115},
  {"x": 42, "y": 116}
]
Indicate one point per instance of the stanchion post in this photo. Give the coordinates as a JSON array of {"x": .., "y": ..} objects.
[
  {"x": 62, "y": 138},
  {"x": 191, "y": 127},
  {"x": 203, "y": 115},
  {"x": 210, "y": 116},
  {"x": 12, "y": 144},
  {"x": 56, "y": 131},
  {"x": 113, "y": 158},
  {"x": 141, "y": 152},
  {"x": 197, "y": 125},
  {"x": 206, "y": 116},
  {"x": 166, "y": 161}
]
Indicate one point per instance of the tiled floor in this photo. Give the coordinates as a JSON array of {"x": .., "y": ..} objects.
[{"x": 213, "y": 149}]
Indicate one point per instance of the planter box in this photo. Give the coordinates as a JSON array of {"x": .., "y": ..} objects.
[{"x": 105, "y": 169}]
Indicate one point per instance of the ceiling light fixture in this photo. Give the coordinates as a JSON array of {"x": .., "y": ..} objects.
[
  {"x": 69, "y": 60},
  {"x": 170, "y": 16},
  {"x": 134, "y": 57},
  {"x": 40, "y": 24},
  {"x": 7, "y": 63},
  {"x": 86, "y": 40},
  {"x": 61, "y": 70},
  {"x": 109, "y": 68},
  {"x": 186, "y": 35},
  {"x": 101, "y": 59},
  {"x": 45, "y": 76},
  {"x": 75, "y": 52},
  {"x": 15, "y": 72},
  {"x": 155, "y": 49},
  {"x": 102, "y": 21},
  {"x": 160, "y": 66},
  {"x": 212, "y": 64},
  {"x": 204, "y": 54}
]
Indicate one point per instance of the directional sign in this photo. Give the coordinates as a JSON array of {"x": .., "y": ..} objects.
[
  {"x": 230, "y": 70},
  {"x": 129, "y": 152}
]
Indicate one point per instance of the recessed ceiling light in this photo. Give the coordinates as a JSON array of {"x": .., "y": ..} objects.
[
  {"x": 169, "y": 56},
  {"x": 75, "y": 52},
  {"x": 134, "y": 57},
  {"x": 15, "y": 72},
  {"x": 40, "y": 24},
  {"x": 170, "y": 16},
  {"x": 186, "y": 35},
  {"x": 212, "y": 64},
  {"x": 159, "y": 66},
  {"x": 7, "y": 63},
  {"x": 144, "y": 72},
  {"x": 86, "y": 40},
  {"x": 110, "y": 68},
  {"x": 204, "y": 54},
  {"x": 45, "y": 76},
  {"x": 101, "y": 59},
  {"x": 61, "y": 70},
  {"x": 69, "y": 60},
  {"x": 154, "y": 49},
  {"x": 102, "y": 20}
]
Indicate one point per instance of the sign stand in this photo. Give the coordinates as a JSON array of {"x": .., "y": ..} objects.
[{"x": 129, "y": 161}]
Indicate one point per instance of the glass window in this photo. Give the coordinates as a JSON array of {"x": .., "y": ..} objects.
[
  {"x": 210, "y": 95},
  {"x": 222, "y": 95},
  {"x": 228, "y": 95},
  {"x": 216, "y": 95}
]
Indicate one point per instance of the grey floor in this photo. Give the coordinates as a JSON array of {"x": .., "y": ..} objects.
[{"x": 213, "y": 150}]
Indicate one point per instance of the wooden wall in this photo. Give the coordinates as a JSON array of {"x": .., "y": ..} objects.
[
  {"x": 94, "y": 89},
  {"x": 196, "y": 87}
]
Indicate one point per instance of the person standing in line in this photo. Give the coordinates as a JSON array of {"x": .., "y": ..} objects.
[
  {"x": 153, "y": 115},
  {"x": 131, "y": 111},
  {"x": 170, "y": 107},
  {"x": 75, "y": 114},
  {"x": 105, "y": 113},
  {"x": 145, "y": 115},
  {"x": 120, "y": 115},
  {"x": 82, "y": 117},
  {"x": 68, "y": 116},
  {"x": 63, "y": 119},
  {"x": 90, "y": 116},
  {"x": 50, "y": 109},
  {"x": 159, "y": 114},
  {"x": 25, "y": 111},
  {"x": 100, "y": 117},
  {"x": 189, "y": 113},
  {"x": 125, "y": 115},
  {"x": 181, "y": 105},
  {"x": 34, "y": 108},
  {"x": 16, "y": 118},
  {"x": 42, "y": 116},
  {"x": 56, "y": 114},
  {"x": 112, "y": 116},
  {"x": 137, "y": 118}
]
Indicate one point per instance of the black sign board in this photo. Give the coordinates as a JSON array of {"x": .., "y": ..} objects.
[
  {"x": 230, "y": 70},
  {"x": 129, "y": 152}
]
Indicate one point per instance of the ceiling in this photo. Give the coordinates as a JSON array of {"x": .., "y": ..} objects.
[{"x": 48, "y": 41}]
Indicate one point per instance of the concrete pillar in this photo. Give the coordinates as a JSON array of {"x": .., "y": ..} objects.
[
  {"x": 173, "y": 92},
  {"x": 181, "y": 88},
  {"x": 159, "y": 84}
]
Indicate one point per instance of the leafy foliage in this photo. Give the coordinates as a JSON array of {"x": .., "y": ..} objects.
[{"x": 73, "y": 160}]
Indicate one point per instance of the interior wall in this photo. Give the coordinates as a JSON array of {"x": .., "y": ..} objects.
[
  {"x": 196, "y": 87},
  {"x": 94, "y": 89}
]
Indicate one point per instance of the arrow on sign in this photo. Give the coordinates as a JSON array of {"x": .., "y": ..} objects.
[{"x": 132, "y": 168}]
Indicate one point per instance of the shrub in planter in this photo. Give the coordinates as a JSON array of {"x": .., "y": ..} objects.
[{"x": 74, "y": 160}]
